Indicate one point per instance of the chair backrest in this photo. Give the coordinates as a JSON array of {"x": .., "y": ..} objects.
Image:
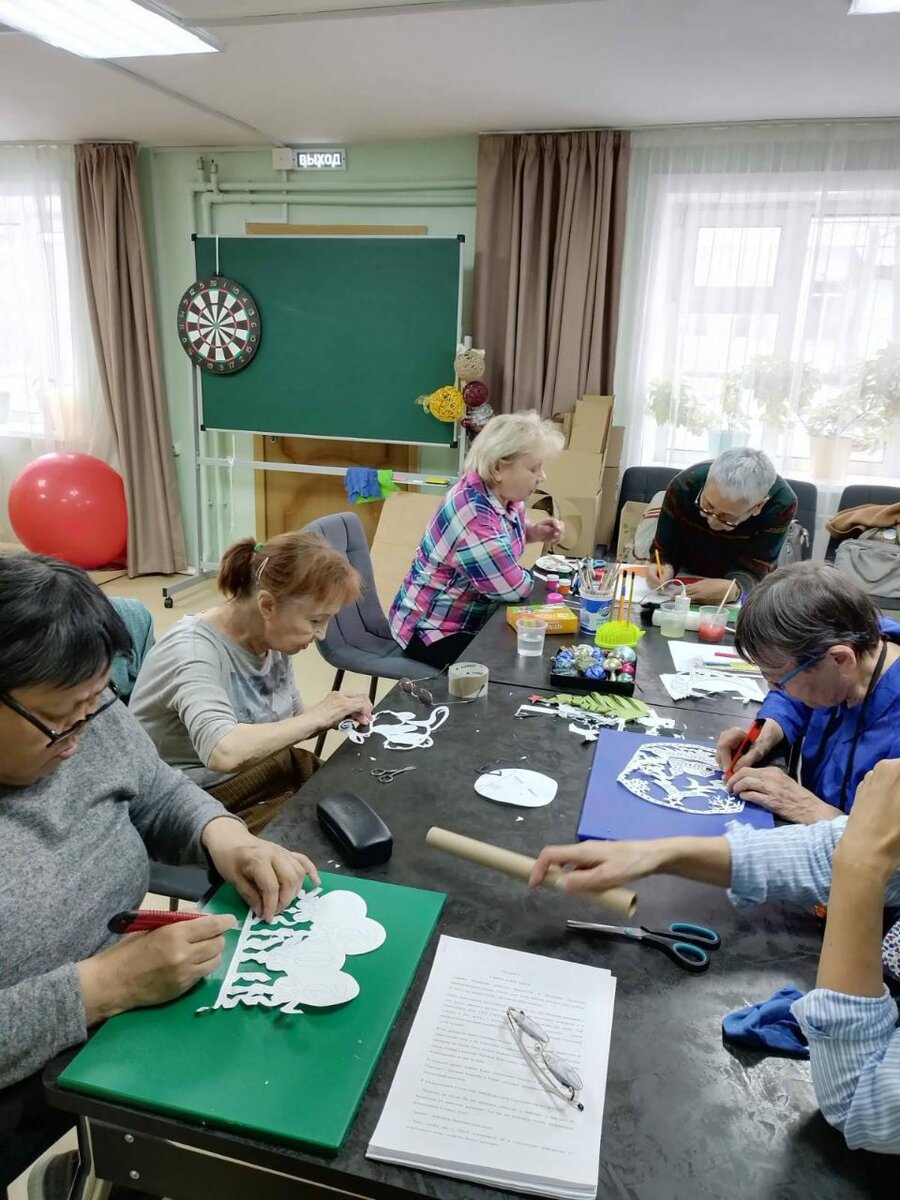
[
  {"x": 640, "y": 483},
  {"x": 862, "y": 493},
  {"x": 807, "y": 505},
  {"x": 356, "y": 623},
  {"x": 139, "y": 622}
]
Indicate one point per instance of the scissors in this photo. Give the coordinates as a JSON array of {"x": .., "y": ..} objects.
[
  {"x": 387, "y": 774},
  {"x": 684, "y": 943}
]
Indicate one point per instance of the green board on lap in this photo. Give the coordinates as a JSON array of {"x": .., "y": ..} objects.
[
  {"x": 291, "y": 1078},
  {"x": 352, "y": 331}
]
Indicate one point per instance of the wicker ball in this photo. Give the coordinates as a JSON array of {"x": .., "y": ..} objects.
[
  {"x": 446, "y": 404},
  {"x": 469, "y": 364},
  {"x": 475, "y": 392},
  {"x": 476, "y": 419}
]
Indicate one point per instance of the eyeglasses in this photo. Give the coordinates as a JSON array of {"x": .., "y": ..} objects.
[
  {"x": 778, "y": 684},
  {"x": 730, "y": 521},
  {"x": 553, "y": 1071},
  {"x": 54, "y": 736},
  {"x": 411, "y": 687}
]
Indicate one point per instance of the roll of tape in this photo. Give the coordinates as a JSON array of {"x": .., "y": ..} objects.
[{"x": 467, "y": 680}]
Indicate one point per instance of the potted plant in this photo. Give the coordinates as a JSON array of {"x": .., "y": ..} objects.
[
  {"x": 772, "y": 382},
  {"x": 733, "y": 425},
  {"x": 857, "y": 418},
  {"x": 676, "y": 406}
]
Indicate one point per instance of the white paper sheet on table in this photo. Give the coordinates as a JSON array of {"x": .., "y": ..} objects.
[
  {"x": 688, "y": 654},
  {"x": 464, "y": 1102}
]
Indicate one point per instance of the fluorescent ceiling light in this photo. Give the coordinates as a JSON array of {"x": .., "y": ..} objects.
[
  {"x": 868, "y": 8},
  {"x": 102, "y": 28}
]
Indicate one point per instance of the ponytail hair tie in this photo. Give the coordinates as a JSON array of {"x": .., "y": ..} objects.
[{"x": 257, "y": 547}]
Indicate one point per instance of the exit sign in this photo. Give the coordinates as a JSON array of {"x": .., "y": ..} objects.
[{"x": 310, "y": 158}]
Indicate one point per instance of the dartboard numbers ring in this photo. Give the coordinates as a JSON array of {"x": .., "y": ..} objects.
[{"x": 218, "y": 323}]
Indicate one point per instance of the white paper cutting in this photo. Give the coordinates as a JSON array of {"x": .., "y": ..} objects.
[
  {"x": 514, "y": 785},
  {"x": 402, "y": 730},
  {"x": 301, "y": 954},
  {"x": 684, "y": 777}
]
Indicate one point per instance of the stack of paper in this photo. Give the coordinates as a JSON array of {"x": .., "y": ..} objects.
[{"x": 465, "y": 1101}]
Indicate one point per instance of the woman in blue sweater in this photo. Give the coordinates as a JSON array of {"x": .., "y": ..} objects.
[{"x": 830, "y": 661}]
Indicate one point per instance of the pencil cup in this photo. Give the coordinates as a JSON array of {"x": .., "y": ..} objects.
[
  {"x": 594, "y": 611},
  {"x": 530, "y": 633}
]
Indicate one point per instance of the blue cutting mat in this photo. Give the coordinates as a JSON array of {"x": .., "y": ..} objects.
[{"x": 611, "y": 812}]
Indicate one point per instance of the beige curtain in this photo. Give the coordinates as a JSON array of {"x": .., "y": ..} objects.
[
  {"x": 548, "y": 260},
  {"x": 120, "y": 298}
]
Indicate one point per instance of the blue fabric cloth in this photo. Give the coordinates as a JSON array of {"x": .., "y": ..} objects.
[
  {"x": 769, "y": 1025},
  {"x": 828, "y": 733},
  {"x": 139, "y": 622},
  {"x": 362, "y": 484}
]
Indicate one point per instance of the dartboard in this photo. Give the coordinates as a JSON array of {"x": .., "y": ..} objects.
[{"x": 218, "y": 323}]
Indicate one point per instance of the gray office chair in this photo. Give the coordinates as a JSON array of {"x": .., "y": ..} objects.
[
  {"x": 807, "y": 503},
  {"x": 359, "y": 637}
]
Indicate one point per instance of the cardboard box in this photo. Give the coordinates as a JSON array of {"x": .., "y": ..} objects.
[
  {"x": 573, "y": 473},
  {"x": 615, "y": 445},
  {"x": 591, "y": 424},
  {"x": 559, "y": 617},
  {"x": 580, "y": 514},
  {"x": 607, "y": 517},
  {"x": 564, "y": 421}
]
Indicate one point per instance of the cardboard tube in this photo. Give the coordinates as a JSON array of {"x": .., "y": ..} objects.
[{"x": 520, "y": 866}]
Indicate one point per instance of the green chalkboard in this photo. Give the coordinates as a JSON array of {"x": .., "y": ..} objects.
[
  {"x": 290, "y": 1078},
  {"x": 353, "y": 330}
]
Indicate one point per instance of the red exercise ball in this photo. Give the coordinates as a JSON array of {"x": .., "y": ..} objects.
[{"x": 70, "y": 506}]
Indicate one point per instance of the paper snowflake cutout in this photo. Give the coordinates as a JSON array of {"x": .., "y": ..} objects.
[{"x": 682, "y": 776}]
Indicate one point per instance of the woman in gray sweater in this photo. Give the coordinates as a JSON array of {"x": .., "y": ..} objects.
[{"x": 84, "y": 800}]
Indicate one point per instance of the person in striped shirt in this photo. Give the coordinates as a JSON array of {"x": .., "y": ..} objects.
[
  {"x": 468, "y": 560},
  {"x": 853, "y": 865}
]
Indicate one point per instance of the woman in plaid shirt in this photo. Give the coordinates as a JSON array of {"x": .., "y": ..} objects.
[{"x": 468, "y": 560}]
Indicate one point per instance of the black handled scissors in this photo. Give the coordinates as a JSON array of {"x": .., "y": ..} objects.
[{"x": 684, "y": 943}]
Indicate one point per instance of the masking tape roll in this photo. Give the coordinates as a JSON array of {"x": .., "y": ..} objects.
[{"x": 467, "y": 680}]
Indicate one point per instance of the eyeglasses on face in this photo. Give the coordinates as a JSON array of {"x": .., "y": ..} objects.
[
  {"x": 731, "y": 521},
  {"x": 53, "y": 736},
  {"x": 554, "y": 1072},
  {"x": 778, "y": 684}
]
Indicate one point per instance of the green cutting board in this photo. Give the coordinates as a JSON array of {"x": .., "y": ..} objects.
[{"x": 294, "y": 1078}]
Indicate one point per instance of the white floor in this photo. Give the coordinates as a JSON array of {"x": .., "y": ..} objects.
[{"x": 314, "y": 679}]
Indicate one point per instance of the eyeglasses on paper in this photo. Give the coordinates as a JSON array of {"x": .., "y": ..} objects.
[{"x": 554, "y": 1072}]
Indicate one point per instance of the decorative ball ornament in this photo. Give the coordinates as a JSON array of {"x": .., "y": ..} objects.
[
  {"x": 468, "y": 364},
  {"x": 446, "y": 404},
  {"x": 475, "y": 393},
  {"x": 219, "y": 325},
  {"x": 476, "y": 418}
]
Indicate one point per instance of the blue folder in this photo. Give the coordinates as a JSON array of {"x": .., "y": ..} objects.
[{"x": 612, "y": 812}]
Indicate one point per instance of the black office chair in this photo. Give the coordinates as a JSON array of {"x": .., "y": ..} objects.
[
  {"x": 807, "y": 507},
  {"x": 861, "y": 493},
  {"x": 639, "y": 483}
]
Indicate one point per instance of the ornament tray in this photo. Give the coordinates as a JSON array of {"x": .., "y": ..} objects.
[{"x": 582, "y": 683}]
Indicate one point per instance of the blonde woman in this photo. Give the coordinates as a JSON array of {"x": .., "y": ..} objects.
[
  {"x": 468, "y": 560},
  {"x": 217, "y": 693}
]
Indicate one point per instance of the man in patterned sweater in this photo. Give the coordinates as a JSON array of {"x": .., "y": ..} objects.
[{"x": 725, "y": 520}]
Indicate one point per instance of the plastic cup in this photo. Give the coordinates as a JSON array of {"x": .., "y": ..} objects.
[
  {"x": 712, "y": 623},
  {"x": 672, "y": 620},
  {"x": 530, "y": 633}
]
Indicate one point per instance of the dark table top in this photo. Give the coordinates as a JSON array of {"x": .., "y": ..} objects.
[
  {"x": 686, "y": 1118},
  {"x": 495, "y": 648}
]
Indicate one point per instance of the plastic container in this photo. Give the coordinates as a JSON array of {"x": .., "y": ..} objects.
[
  {"x": 617, "y": 633},
  {"x": 712, "y": 624},
  {"x": 530, "y": 633},
  {"x": 672, "y": 620}
]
